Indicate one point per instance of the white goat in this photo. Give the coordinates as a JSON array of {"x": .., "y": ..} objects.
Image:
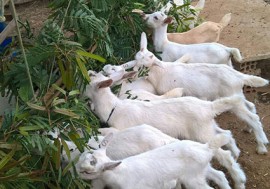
[
  {"x": 200, "y": 53},
  {"x": 185, "y": 161},
  {"x": 118, "y": 74},
  {"x": 204, "y": 33},
  {"x": 138, "y": 139},
  {"x": 205, "y": 81},
  {"x": 185, "y": 117},
  {"x": 138, "y": 88},
  {"x": 125, "y": 143}
]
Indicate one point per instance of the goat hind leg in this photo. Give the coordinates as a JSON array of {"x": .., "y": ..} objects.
[
  {"x": 232, "y": 144},
  {"x": 218, "y": 177},
  {"x": 225, "y": 158},
  {"x": 254, "y": 123}
]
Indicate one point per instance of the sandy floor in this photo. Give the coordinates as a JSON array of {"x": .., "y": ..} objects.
[{"x": 249, "y": 27}]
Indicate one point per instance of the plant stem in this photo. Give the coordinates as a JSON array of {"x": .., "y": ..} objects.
[
  {"x": 62, "y": 24},
  {"x": 11, "y": 4}
]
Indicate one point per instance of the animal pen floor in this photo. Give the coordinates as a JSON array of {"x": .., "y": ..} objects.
[{"x": 248, "y": 31}]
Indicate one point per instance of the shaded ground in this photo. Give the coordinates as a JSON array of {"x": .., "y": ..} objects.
[{"x": 248, "y": 31}]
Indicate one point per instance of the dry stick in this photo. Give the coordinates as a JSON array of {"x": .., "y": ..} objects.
[
  {"x": 50, "y": 94},
  {"x": 11, "y": 4}
]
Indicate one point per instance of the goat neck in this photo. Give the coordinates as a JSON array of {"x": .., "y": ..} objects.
[
  {"x": 104, "y": 102},
  {"x": 160, "y": 37}
]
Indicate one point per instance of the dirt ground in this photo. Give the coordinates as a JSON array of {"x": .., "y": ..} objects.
[
  {"x": 248, "y": 31},
  {"x": 249, "y": 26}
]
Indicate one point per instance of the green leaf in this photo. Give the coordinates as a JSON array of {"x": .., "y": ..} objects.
[
  {"x": 75, "y": 138},
  {"x": 90, "y": 55},
  {"x": 72, "y": 43},
  {"x": 35, "y": 106},
  {"x": 16, "y": 164},
  {"x": 6, "y": 159},
  {"x": 10, "y": 146},
  {"x": 59, "y": 89},
  {"x": 57, "y": 154},
  {"x": 83, "y": 68},
  {"x": 66, "y": 112},
  {"x": 24, "y": 129},
  {"x": 65, "y": 146},
  {"x": 79, "y": 185},
  {"x": 57, "y": 101},
  {"x": 62, "y": 70},
  {"x": 74, "y": 92},
  {"x": 25, "y": 92}
]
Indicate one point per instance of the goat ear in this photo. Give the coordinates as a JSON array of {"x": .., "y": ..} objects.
[
  {"x": 143, "y": 41},
  {"x": 129, "y": 64},
  {"x": 129, "y": 74},
  {"x": 159, "y": 64},
  {"x": 91, "y": 73},
  {"x": 111, "y": 165},
  {"x": 117, "y": 76},
  {"x": 168, "y": 20},
  {"x": 104, "y": 84},
  {"x": 106, "y": 141}
]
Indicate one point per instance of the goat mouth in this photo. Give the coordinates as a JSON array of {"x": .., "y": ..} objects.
[
  {"x": 86, "y": 172},
  {"x": 88, "y": 175}
]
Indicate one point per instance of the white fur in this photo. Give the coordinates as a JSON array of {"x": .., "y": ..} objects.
[
  {"x": 185, "y": 161},
  {"x": 205, "y": 52},
  {"x": 134, "y": 87},
  {"x": 205, "y": 81},
  {"x": 125, "y": 143},
  {"x": 185, "y": 117}
]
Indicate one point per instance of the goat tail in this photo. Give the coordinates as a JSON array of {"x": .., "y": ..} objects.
[
  {"x": 225, "y": 20},
  {"x": 226, "y": 103},
  {"x": 218, "y": 141},
  {"x": 200, "y": 4},
  {"x": 235, "y": 53},
  {"x": 254, "y": 81}
]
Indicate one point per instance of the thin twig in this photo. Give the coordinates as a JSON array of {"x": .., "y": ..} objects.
[{"x": 62, "y": 24}]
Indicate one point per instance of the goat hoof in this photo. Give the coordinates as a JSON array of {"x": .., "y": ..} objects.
[
  {"x": 265, "y": 141},
  {"x": 262, "y": 150},
  {"x": 236, "y": 155},
  {"x": 240, "y": 186},
  {"x": 247, "y": 130}
]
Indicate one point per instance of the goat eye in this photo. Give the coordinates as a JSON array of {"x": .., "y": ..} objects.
[
  {"x": 155, "y": 17},
  {"x": 93, "y": 162},
  {"x": 91, "y": 75}
]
